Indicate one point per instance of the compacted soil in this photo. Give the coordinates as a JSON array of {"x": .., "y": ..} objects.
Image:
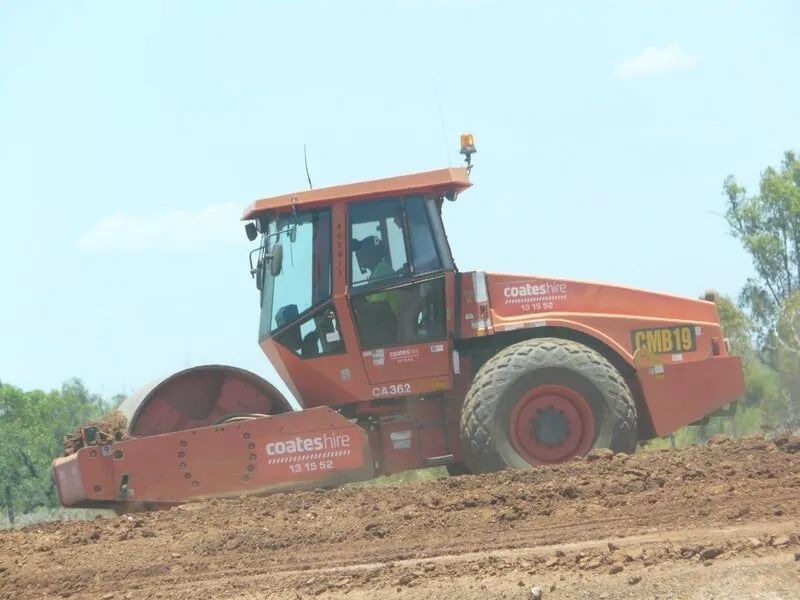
[{"x": 714, "y": 521}]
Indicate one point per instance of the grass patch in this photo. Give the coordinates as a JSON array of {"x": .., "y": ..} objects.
[
  {"x": 47, "y": 515},
  {"x": 428, "y": 474}
]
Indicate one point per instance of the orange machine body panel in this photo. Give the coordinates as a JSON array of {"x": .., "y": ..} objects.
[
  {"x": 429, "y": 182},
  {"x": 681, "y": 393},
  {"x": 607, "y": 312},
  {"x": 289, "y": 451}
]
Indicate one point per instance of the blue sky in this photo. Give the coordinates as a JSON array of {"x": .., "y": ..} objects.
[{"x": 133, "y": 134}]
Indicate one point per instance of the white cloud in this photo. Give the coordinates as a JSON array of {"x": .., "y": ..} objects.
[
  {"x": 174, "y": 228},
  {"x": 654, "y": 60}
]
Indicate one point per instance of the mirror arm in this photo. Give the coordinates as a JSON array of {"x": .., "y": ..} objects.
[
  {"x": 250, "y": 258},
  {"x": 293, "y": 231}
]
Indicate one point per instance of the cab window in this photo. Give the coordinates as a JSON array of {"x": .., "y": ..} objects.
[
  {"x": 304, "y": 279},
  {"x": 423, "y": 247},
  {"x": 392, "y": 241},
  {"x": 377, "y": 242},
  {"x": 382, "y": 234},
  {"x": 409, "y": 314},
  {"x": 317, "y": 335}
]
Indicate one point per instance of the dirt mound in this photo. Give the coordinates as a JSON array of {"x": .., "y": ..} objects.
[
  {"x": 112, "y": 427},
  {"x": 616, "y": 523}
]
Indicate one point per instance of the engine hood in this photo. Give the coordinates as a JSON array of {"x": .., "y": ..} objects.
[
  {"x": 624, "y": 318},
  {"x": 519, "y": 295}
]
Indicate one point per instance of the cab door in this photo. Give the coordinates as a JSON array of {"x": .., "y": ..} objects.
[
  {"x": 401, "y": 282},
  {"x": 301, "y": 316}
]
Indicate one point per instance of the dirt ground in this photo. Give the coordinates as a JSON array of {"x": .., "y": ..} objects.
[{"x": 718, "y": 521}]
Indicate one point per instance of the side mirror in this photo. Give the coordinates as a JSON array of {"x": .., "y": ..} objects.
[
  {"x": 293, "y": 234},
  {"x": 251, "y": 231},
  {"x": 276, "y": 260}
]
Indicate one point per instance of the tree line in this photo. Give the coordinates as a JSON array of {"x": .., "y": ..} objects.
[
  {"x": 763, "y": 325},
  {"x": 33, "y": 425}
]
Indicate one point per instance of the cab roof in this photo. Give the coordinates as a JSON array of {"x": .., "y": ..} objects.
[{"x": 429, "y": 182}]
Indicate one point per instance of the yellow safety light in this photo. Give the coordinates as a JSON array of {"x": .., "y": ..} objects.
[
  {"x": 468, "y": 149},
  {"x": 467, "y": 144}
]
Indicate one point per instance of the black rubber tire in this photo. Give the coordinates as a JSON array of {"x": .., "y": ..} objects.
[
  {"x": 504, "y": 378},
  {"x": 456, "y": 469}
]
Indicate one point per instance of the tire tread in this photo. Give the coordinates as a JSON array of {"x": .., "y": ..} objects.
[{"x": 479, "y": 407}]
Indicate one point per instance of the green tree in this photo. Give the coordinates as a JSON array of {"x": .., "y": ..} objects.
[
  {"x": 768, "y": 225},
  {"x": 764, "y": 399},
  {"x": 32, "y": 429},
  {"x": 738, "y": 327},
  {"x": 787, "y": 358}
]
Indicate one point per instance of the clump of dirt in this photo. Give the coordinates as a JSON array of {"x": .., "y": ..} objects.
[
  {"x": 788, "y": 443},
  {"x": 112, "y": 427}
]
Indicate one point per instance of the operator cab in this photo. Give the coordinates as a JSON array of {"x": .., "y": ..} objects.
[
  {"x": 353, "y": 269},
  {"x": 398, "y": 252}
]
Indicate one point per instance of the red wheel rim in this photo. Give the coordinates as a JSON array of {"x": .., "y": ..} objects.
[{"x": 552, "y": 423}]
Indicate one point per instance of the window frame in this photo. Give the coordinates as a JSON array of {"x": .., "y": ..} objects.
[
  {"x": 434, "y": 209},
  {"x": 270, "y": 281}
]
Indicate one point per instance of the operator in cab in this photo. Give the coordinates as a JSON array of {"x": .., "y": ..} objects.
[{"x": 371, "y": 254}]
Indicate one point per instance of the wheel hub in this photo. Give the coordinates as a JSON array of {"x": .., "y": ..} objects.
[
  {"x": 552, "y": 423},
  {"x": 550, "y": 426}
]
